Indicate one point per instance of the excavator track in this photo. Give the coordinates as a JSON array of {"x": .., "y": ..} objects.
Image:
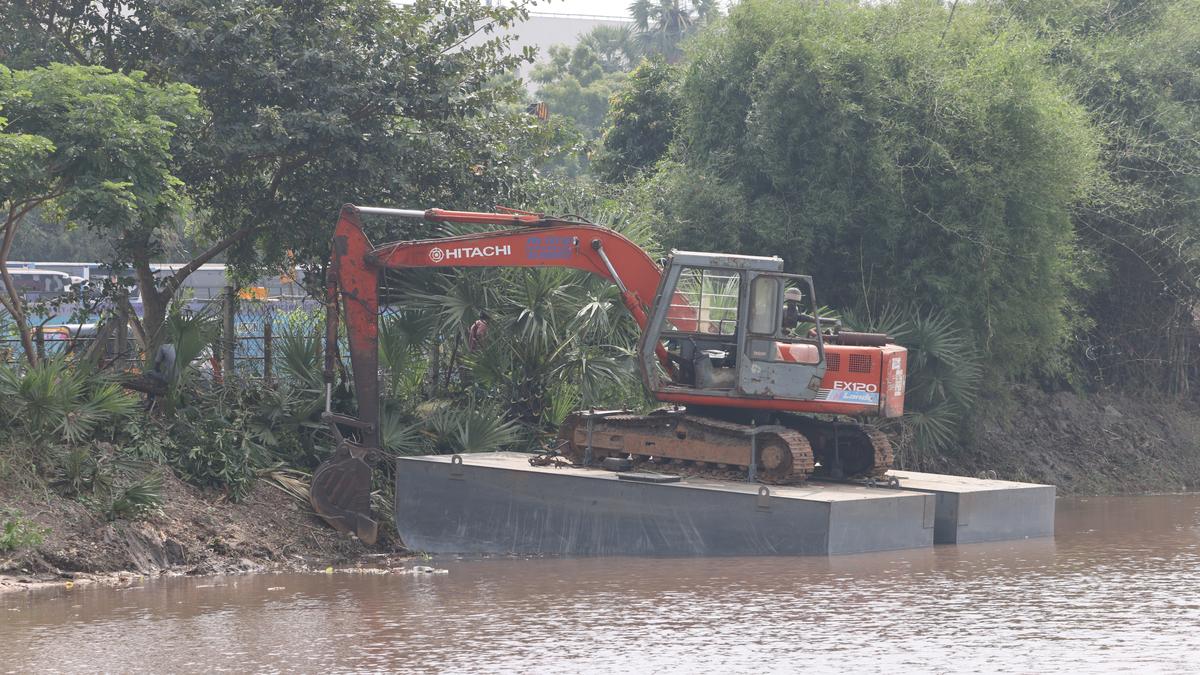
[
  {"x": 696, "y": 445},
  {"x": 845, "y": 449},
  {"x": 688, "y": 444}
]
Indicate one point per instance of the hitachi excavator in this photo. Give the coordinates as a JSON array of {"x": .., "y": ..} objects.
[{"x": 754, "y": 378}]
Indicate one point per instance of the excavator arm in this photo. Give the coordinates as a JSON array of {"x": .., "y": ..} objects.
[{"x": 340, "y": 490}]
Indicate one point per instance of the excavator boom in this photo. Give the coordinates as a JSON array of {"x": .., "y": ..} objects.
[{"x": 341, "y": 487}]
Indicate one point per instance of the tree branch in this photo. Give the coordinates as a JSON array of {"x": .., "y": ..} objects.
[
  {"x": 53, "y": 31},
  {"x": 176, "y": 279}
]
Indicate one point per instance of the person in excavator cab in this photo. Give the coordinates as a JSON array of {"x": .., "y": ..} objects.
[{"x": 794, "y": 318}]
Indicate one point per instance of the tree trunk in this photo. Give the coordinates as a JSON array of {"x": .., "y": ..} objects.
[
  {"x": 155, "y": 299},
  {"x": 154, "y": 303},
  {"x": 11, "y": 299}
]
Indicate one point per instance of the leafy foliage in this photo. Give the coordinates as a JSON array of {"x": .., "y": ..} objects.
[
  {"x": 661, "y": 26},
  {"x": 1135, "y": 66},
  {"x": 894, "y": 173},
  {"x": 641, "y": 122},
  {"x": 93, "y": 145},
  {"x": 577, "y": 83},
  {"x": 17, "y": 532},
  {"x": 138, "y": 500},
  {"x": 60, "y": 401},
  {"x": 307, "y": 106},
  {"x": 219, "y": 444}
]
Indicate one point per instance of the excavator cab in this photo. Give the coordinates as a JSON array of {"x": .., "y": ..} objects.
[{"x": 723, "y": 321}]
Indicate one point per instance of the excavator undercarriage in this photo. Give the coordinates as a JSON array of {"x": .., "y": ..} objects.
[{"x": 790, "y": 451}]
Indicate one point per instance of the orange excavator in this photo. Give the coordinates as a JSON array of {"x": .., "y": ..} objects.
[{"x": 754, "y": 379}]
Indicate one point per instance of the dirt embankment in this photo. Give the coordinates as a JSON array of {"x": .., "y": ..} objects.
[
  {"x": 1097, "y": 444},
  {"x": 194, "y": 533}
]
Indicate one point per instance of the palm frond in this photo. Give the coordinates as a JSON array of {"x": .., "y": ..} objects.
[{"x": 300, "y": 358}]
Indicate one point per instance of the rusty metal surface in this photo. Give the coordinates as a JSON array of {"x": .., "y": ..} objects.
[
  {"x": 697, "y": 445},
  {"x": 341, "y": 493},
  {"x": 845, "y": 449},
  {"x": 688, "y": 443}
]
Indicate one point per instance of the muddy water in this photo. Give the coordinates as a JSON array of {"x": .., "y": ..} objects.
[{"x": 1118, "y": 588}]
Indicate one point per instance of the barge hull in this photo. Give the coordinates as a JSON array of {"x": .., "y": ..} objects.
[{"x": 497, "y": 503}]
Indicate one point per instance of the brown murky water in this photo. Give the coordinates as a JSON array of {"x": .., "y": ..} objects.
[{"x": 1118, "y": 588}]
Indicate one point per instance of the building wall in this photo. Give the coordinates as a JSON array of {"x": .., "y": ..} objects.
[{"x": 545, "y": 30}]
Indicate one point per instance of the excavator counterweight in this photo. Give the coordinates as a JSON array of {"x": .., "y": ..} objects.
[{"x": 754, "y": 378}]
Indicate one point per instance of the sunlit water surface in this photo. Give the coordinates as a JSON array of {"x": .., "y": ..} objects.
[{"x": 1118, "y": 588}]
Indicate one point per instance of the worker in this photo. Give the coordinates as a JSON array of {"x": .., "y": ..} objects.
[
  {"x": 793, "y": 315},
  {"x": 477, "y": 333}
]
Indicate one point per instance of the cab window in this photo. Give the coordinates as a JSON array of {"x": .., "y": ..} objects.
[{"x": 705, "y": 301}]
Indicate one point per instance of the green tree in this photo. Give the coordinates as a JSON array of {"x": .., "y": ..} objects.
[
  {"x": 92, "y": 144},
  {"x": 615, "y": 46},
  {"x": 1136, "y": 66},
  {"x": 577, "y": 83},
  {"x": 311, "y": 104},
  {"x": 902, "y": 156},
  {"x": 662, "y": 25},
  {"x": 641, "y": 122}
]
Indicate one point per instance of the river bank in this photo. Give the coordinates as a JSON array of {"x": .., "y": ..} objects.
[
  {"x": 1094, "y": 445},
  {"x": 194, "y": 533}
]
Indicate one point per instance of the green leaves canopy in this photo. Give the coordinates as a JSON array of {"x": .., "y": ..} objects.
[
  {"x": 895, "y": 173},
  {"x": 96, "y": 147},
  {"x": 99, "y": 143}
]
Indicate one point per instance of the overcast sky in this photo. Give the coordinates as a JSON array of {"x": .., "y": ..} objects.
[{"x": 594, "y": 7}]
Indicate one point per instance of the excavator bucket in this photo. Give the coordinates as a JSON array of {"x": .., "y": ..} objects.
[{"x": 341, "y": 493}]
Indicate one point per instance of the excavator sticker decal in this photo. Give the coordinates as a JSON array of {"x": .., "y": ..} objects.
[
  {"x": 437, "y": 254},
  {"x": 860, "y": 393},
  {"x": 897, "y": 376},
  {"x": 549, "y": 248}
]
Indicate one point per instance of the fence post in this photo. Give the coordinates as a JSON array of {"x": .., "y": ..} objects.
[
  {"x": 39, "y": 339},
  {"x": 122, "y": 333},
  {"x": 229, "y": 329},
  {"x": 267, "y": 350}
]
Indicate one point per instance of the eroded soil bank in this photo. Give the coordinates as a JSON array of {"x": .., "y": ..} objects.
[
  {"x": 1100, "y": 444},
  {"x": 195, "y": 533},
  {"x": 1086, "y": 445}
]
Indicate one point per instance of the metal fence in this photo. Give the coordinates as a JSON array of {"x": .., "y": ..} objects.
[{"x": 255, "y": 324}]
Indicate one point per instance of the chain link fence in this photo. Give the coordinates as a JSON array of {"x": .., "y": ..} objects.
[{"x": 256, "y": 323}]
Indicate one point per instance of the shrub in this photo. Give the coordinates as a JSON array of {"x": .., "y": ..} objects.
[
  {"x": 17, "y": 532},
  {"x": 63, "y": 401},
  {"x": 138, "y": 500}
]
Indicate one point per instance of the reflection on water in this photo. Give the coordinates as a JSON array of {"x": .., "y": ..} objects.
[{"x": 1117, "y": 588}]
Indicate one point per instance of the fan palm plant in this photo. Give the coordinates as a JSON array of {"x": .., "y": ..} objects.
[
  {"x": 60, "y": 400},
  {"x": 943, "y": 377}
]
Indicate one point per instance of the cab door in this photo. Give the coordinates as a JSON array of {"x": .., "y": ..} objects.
[{"x": 775, "y": 361}]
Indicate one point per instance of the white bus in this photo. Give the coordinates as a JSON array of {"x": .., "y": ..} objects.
[{"x": 38, "y": 284}]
